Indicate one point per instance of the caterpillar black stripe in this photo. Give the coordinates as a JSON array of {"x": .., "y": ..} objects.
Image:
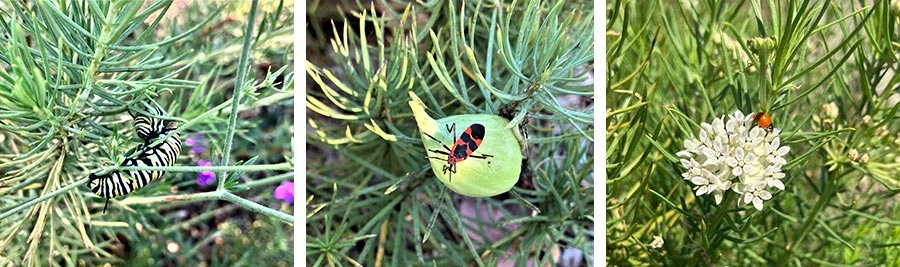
[
  {"x": 146, "y": 127},
  {"x": 116, "y": 183}
]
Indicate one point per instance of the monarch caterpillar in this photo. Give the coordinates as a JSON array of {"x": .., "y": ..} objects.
[
  {"x": 115, "y": 184},
  {"x": 147, "y": 127},
  {"x": 161, "y": 155}
]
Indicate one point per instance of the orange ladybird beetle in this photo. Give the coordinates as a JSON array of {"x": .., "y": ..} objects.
[{"x": 763, "y": 121}]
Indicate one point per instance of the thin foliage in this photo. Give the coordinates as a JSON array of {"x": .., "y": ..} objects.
[
  {"x": 70, "y": 74},
  {"x": 373, "y": 200},
  {"x": 824, "y": 73}
]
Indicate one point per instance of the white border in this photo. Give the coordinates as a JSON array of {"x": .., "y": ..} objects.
[
  {"x": 600, "y": 133},
  {"x": 299, "y": 135}
]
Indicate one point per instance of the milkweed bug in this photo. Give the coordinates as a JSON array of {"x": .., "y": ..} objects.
[
  {"x": 464, "y": 147},
  {"x": 763, "y": 121}
]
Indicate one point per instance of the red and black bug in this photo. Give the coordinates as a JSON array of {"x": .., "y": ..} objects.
[{"x": 464, "y": 147}]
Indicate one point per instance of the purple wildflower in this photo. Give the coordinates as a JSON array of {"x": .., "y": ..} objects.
[
  {"x": 197, "y": 143},
  {"x": 205, "y": 178},
  {"x": 285, "y": 192},
  {"x": 197, "y": 150}
]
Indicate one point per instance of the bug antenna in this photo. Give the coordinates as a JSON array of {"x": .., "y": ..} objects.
[{"x": 105, "y": 205}]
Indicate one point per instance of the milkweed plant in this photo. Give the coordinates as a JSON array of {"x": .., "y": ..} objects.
[
  {"x": 752, "y": 133},
  {"x": 72, "y": 76},
  {"x": 454, "y": 133}
]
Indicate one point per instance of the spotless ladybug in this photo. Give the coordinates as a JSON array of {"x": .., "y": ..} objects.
[
  {"x": 464, "y": 147},
  {"x": 763, "y": 121}
]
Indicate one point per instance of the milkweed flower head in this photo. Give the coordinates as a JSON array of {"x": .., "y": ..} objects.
[{"x": 735, "y": 155}]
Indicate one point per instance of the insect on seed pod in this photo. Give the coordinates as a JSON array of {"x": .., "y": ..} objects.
[{"x": 474, "y": 155}]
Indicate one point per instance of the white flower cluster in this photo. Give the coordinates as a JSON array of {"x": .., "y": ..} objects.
[{"x": 736, "y": 155}]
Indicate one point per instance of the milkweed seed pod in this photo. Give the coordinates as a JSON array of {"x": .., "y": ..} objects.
[{"x": 474, "y": 155}]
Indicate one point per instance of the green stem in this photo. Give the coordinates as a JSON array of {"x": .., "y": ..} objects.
[
  {"x": 264, "y": 167},
  {"x": 462, "y": 229},
  {"x": 228, "y": 196},
  {"x": 798, "y": 237},
  {"x": 213, "y": 195},
  {"x": 238, "y": 90},
  {"x": 270, "y": 180},
  {"x": 34, "y": 201},
  {"x": 712, "y": 227}
]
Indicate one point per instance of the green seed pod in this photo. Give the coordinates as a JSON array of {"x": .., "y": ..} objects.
[{"x": 492, "y": 168}]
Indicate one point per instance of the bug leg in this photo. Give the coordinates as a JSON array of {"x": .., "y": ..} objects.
[
  {"x": 452, "y": 171},
  {"x": 105, "y": 205},
  {"x": 447, "y": 168},
  {"x": 440, "y": 152},
  {"x": 439, "y": 141},
  {"x": 452, "y": 168},
  {"x": 482, "y": 156},
  {"x": 451, "y": 129}
]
